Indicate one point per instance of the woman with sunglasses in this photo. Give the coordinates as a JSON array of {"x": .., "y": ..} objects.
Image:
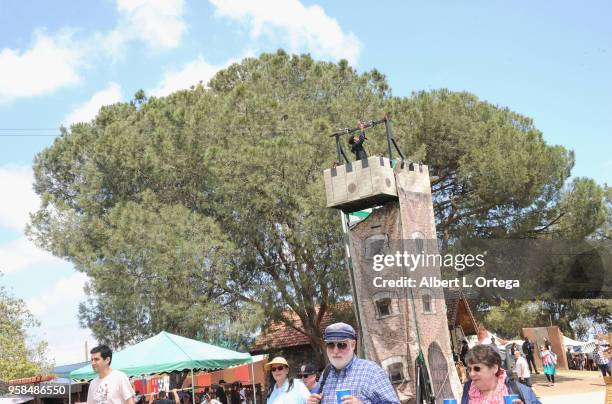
[
  {"x": 283, "y": 390},
  {"x": 489, "y": 382}
]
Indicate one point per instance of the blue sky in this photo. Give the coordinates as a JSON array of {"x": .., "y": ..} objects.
[{"x": 60, "y": 61}]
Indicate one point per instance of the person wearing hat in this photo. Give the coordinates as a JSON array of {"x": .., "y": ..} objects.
[
  {"x": 308, "y": 374},
  {"x": 365, "y": 381},
  {"x": 282, "y": 389}
]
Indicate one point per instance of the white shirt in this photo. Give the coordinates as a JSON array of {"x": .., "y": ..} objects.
[
  {"x": 297, "y": 395},
  {"x": 522, "y": 369},
  {"x": 115, "y": 388}
]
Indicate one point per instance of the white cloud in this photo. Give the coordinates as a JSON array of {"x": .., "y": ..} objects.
[
  {"x": 21, "y": 255},
  {"x": 66, "y": 341},
  {"x": 67, "y": 292},
  {"x": 51, "y": 63},
  {"x": 190, "y": 74},
  {"x": 159, "y": 23},
  {"x": 57, "y": 308},
  {"x": 303, "y": 28},
  {"x": 17, "y": 182},
  {"x": 89, "y": 109}
]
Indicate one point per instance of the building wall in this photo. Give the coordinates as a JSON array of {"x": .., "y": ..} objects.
[
  {"x": 395, "y": 338},
  {"x": 555, "y": 336}
]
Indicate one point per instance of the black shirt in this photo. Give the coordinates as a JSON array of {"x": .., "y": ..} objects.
[{"x": 358, "y": 149}]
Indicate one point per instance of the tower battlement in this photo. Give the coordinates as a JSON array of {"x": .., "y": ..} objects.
[{"x": 371, "y": 182}]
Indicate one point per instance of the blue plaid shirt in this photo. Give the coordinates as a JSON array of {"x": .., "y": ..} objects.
[
  {"x": 598, "y": 356},
  {"x": 366, "y": 380}
]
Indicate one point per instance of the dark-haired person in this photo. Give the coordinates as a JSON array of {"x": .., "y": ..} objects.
[
  {"x": 528, "y": 351},
  {"x": 489, "y": 382},
  {"x": 213, "y": 397},
  {"x": 365, "y": 381},
  {"x": 162, "y": 398},
  {"x": 282, "y": 389},
  {"x": 308, "y": 374},
  {"x": 549, "y": 361},
  {"x": 356, "y": 143},
  {"x": 110, "y": 386},
  {"x": 464, "y": 350}
]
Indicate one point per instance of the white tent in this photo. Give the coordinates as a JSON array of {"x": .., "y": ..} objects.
[{"x": 579, "y": 346}]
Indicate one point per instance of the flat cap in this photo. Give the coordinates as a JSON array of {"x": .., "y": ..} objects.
[{"x": 339, "y": 332}]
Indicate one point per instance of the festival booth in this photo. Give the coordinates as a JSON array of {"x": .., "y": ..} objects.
[
  {"x": 579, "y": 346},
  {"x": 166, "y": 353}
]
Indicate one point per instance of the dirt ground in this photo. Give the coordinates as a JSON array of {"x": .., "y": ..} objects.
[{"x": 568, "y": 382}]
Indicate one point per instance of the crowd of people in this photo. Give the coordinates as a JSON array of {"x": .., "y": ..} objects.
[
  {"x": 358, "y": 380},
  {"x": 352, "y": 380}
]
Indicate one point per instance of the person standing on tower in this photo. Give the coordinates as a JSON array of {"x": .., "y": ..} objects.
[{"x": 356, "y": 143}]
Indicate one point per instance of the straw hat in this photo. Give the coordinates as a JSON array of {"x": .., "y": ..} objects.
[{"x": 279, "y": 360}]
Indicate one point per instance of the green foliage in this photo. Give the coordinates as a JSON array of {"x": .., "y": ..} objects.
[
  {"x": 583, "y": 210},
  {"x": 495, "y": 176},
  {"x": 509, "y": 318},
  {"x": 576, "y": 318},
  {"x": 204, "y": 211},
  {"x": 17, "y": 359},
  {"x": 605, "y": 231}
]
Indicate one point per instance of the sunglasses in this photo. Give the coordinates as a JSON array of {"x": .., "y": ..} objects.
[
  {"x": 474, "y": 368},
  {"x": 341, "y": 345},
  {"x": 274, "y": 369},
  {"x": 305, "y": 376}
]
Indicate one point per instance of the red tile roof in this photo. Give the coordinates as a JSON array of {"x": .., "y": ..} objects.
[
  {"x": 31, "y": 380},
  {"x": 280, "y": 335}
]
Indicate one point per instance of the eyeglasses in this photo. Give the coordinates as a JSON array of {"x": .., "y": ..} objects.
[
  {"x": 274, "y": 369},
  {"x": 474, "y": 368},
  {"x": 305, "y": 376},
  {"x": 341, "y": 345}
]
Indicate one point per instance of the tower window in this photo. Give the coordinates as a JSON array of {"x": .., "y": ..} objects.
[
  {"x": 375, "y": 244},
  {"x": 385, "y": 304},
  {"x": 427, "y": 307},
  {"x": 383, "y": 307},
  {"x": 396, "y": 372}
]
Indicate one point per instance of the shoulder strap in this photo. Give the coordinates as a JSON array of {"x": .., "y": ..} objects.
[
  {"x": 466, "y": 391},
  {"x": 516, "y": 389},
  {"x": 324, "y": 378}
]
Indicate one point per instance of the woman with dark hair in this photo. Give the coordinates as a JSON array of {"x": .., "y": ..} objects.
[
  {"x": 282, "y": 389},
  {"x": 549, "y": 360},
  {"x": 489, "y": 382}
]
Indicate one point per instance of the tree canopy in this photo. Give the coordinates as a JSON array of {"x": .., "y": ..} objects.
[
  {"x": 18, "y": 358},
  {"x": 205, "y": 210}
]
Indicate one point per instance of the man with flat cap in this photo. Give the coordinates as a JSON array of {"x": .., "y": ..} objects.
[{"x": 357, "y": 381}]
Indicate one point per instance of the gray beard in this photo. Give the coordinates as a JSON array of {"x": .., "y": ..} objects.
[{"x": 340, "y": 364}]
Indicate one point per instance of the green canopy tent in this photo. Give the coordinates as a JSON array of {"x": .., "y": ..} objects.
[{"x": 167, "y": 352}]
